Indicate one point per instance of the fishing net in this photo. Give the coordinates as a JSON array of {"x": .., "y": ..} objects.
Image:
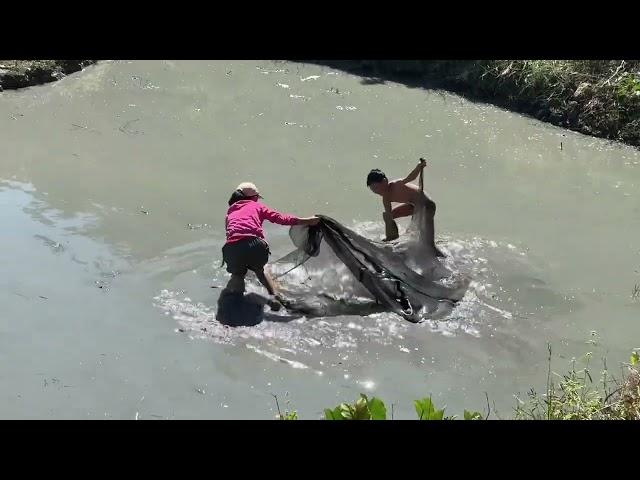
[{"x": 336, "y": 271}]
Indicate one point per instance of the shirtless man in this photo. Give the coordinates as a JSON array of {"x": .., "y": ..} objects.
[{"x": 409, "y": 196}]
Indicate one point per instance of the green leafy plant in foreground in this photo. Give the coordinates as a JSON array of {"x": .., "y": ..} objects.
[
  {"x": 362, "y": 409},
  {"x": 572, "y": 397},
  {"x": 375, "y": 409},
  {"x": 426, "y": 410},
  {"x": 289, "y": 415},
  {"x": 293, "y": 415},
  {"x": 472, "y": 415}
]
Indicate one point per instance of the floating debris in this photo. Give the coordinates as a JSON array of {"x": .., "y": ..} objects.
[
  {"x": 266, "y": 72},
  {"x": 56, "y": 247},
  {"x": 197, "y": 226},
  {"x": 125, "y": 128},
  {"x": 310, "y": 77},
  {"x": 143, "y": 83},
  {"x": 111, "y": 274}
]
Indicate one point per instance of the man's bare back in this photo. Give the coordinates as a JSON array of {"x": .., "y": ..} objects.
[
  {"x": 408, "y": 196},
  {"x": 400, "y": 192}
]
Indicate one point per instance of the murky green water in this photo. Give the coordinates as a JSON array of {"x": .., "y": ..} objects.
[{"x": 107, "y": 310}]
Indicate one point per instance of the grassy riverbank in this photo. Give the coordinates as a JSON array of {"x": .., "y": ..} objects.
[
  {"x": 579, "y": 394},
  {"x": 595, "y": 97},
  {"x": 25, "y": 73}
]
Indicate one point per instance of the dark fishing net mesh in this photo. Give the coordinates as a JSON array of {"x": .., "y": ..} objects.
[{"x": 335, "y": 271}]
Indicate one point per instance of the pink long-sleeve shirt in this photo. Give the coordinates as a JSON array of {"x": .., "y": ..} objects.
[{"x": 245, "y": 217}]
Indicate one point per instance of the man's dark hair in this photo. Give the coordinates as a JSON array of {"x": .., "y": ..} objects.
[
  {"x": 236, "y": 196},
  {"x": 376, "y": 175}
]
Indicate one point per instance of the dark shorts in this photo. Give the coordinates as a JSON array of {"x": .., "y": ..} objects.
[{"x": 247, "y": 254}]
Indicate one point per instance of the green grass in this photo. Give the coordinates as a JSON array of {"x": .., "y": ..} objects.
[
  {"x": 570, "y": 396},
  {"x": 600, "y": 97}
]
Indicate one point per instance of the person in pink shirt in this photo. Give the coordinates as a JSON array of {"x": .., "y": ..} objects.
[{"x": 246, "y": 247}]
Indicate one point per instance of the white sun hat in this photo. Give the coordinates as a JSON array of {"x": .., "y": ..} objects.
[{"x": 249, "y": 189}]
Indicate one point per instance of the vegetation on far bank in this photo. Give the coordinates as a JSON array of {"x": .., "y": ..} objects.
[
  {"x": 595, "y": 97},
  {"x": 574, "y": 395},
  {"x": 25, "y": 73}
]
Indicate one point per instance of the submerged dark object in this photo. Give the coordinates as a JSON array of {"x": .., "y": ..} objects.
[
  {"x": 324, "y": 305},
  {"x": 385, "y": 275}
]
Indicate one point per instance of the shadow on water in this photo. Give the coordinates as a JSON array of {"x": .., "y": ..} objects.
[
  {"x": 373, "y": 81},
  {"x": 372, "y": 74},
  {"x": 439, "y": 76},
  {"x": 237, "y": 309}
]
